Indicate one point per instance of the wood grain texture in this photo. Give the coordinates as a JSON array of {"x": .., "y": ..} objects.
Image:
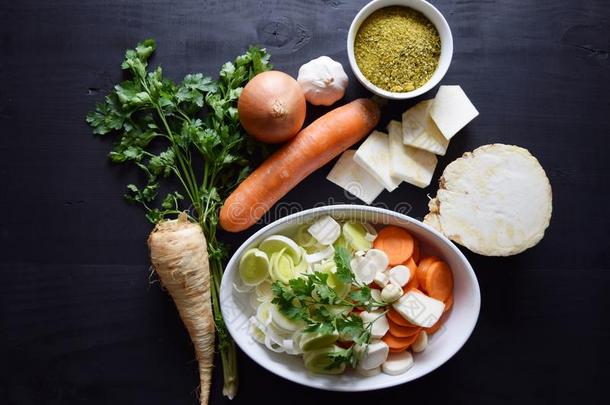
[{"x": 79, "y": 322}]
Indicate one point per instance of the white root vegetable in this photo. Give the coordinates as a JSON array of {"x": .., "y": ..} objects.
[
  {"x": 496, "y": 201},
  {"x": 178, "y": 252}
]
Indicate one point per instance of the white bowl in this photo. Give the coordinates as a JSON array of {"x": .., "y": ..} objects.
[
  {"x": 460, "y": 323},
  {"x": 433, "y": 15}
]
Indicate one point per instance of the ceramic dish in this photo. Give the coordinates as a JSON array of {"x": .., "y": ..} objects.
[
  {"x": 433, "y": 15},
  {"x": 445, "y": 343}
]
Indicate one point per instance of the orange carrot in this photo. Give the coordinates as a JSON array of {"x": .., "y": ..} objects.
[
  {"x": 438, "y": 281},
  {"x": 399, "y": 343},
  {"x": 416, "y": 252},
  {"x": 402, "y": 331},
  {"x": 311, "y": 149},
  {"x": 422, "y": 267},
  {"x": 395, "y": 317},
  {"x": 395, "y": 242},
  {"x": 448, "y": 303}
]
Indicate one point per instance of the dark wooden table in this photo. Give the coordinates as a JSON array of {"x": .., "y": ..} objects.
[{"x": 79, "y": 322}]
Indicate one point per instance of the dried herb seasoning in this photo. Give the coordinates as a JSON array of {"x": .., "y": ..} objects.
[{"x": 397, "y": 49}]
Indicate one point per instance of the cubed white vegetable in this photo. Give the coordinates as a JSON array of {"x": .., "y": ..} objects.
[
  {"x": 420, "y": 343},
  {"x": 380, "y": 324},
  {"x": 381, "y": 279},
  {"x": 452, "y": 110},
  {"x": 420, "y": 131},
  {"x": 399, "y": 275},
  {"x": 374, "y": 157},
  {"x": 325, "y": 230},
  {"x": 373, "y": 354},
  {"x": 391, "y": 293},
  {"x": 412, "y": 165},
  {"x": 348, "y": 175},
  {"x": 398, "y": 363},
  {"x": 419, "y": 309}
]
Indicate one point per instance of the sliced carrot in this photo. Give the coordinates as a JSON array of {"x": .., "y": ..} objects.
[
  {"x": 402, "y": 331},
  {"x": 438, "y": 281},
  {"x": 423, "y": 266},
  {"x": 416, "y": 253},
  {"x": 448, "y": 303},
  {"x": 397, "y": 318},
  {"x": 398, "y": 350},
  {"x": 395, "y": 242},
  {"x": 394, "y": 342},
  {"x": 412, "y": 283}
]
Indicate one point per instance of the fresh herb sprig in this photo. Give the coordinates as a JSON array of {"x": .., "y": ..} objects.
[
  {"x": 208, "y": 154},
  {"x": 310, "y": 299}
]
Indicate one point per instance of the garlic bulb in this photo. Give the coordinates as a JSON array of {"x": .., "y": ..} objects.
[{"x": 323, "y": 81}]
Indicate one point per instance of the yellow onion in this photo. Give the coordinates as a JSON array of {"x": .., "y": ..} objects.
[{"x": 272, "y": 107}]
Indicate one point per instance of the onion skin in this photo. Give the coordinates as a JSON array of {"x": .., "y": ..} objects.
[{"x": 272, "y": 107}]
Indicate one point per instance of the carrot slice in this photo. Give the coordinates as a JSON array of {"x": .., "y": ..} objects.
[
  {"x": 394, "y": 342},
  {"x": 397, "y": 318},
  {"x": 402, "y": 331},
  {"x": 416, "y": 253},
  {"x": 438, "y": 281},
  {"x": 395, "y": 242},
  {"x": 412, "y": 267},
  {"x": 422, "y": 268},
  {"x": 398, "y": 350},
  {"x": 448, "y": 303}
]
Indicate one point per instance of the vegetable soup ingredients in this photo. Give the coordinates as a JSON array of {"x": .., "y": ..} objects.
[
  {"x": 323, "y": 81},
  {"x": 374, "y": 157},
  {"x": 420, "y": 131},
  {"x": 397, "y": 49},
  {"x": 419, "y": 309},
  {"x": 272, "y": 107},
  {"x": 452, "y": 110},
  {"x": 397, "y": 243},
  {"x": 327, "y": 312},
  {"x": 409, "y": 164},
  {"x": 148, "y": 113},
  {"x": 311, "y": 149},
  {"x": 348, "y": 175},
  {"x": 398, "y": 363},
  {"x": 179, "y": 255},
  {"x": 496, "y": 201}
]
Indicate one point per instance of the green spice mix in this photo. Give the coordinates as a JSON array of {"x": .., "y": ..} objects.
[{"x": 397, "y": 49}]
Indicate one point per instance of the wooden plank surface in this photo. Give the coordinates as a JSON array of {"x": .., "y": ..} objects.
[{"x": 79, "y": 322}]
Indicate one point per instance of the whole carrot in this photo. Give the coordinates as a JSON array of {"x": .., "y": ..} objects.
[
  {"x": 179, "y": 255},
  {"x": 311, "y": 149}
]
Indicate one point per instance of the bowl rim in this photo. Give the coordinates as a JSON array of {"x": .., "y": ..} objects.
[
  {"x": 328, "y": 210},
  {"x": 421, "y": 6}
]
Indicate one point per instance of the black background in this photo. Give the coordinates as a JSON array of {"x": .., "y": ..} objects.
[{"x": 79, "y": 322}]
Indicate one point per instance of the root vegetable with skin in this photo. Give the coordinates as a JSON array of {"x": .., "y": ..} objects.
[{"x": 179, "y": 256}]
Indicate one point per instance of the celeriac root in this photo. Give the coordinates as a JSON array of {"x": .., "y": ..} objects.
[{"x": 178, "y": 252}]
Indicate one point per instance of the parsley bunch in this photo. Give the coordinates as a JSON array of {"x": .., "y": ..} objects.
[
  {"x": 310, "y": 299},
  {"x": 189, "y": 132}
]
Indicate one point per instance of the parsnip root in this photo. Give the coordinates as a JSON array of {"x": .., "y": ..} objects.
[{"x": 178, "y": 252}]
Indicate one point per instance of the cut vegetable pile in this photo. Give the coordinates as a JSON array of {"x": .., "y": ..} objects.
[
  {"x": 408, "y": 152},
  {"x": 343, "y": 295}
]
